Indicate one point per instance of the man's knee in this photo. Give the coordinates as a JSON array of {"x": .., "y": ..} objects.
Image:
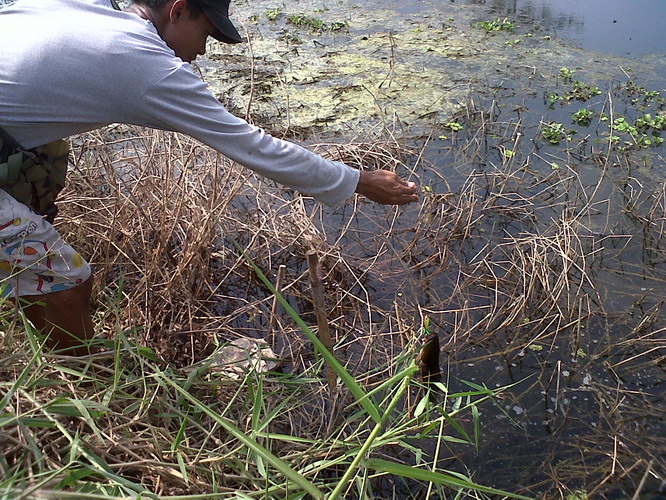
[
  {"x": 79, "y": 295},
  {"x": 70, "y": 298},
  {"x": 65, "y": 316}
]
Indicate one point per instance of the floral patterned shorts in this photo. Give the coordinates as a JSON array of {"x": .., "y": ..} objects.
[{"x": 34, "y": 259}]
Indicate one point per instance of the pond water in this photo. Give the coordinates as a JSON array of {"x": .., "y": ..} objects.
[
  {"x": 617, "y": 27},
  {"x": 585, "y": 372},
  {"x": 582, "y": 357}
]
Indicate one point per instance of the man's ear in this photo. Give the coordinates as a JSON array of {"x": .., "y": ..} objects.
[{"x": 177, "y": 9}]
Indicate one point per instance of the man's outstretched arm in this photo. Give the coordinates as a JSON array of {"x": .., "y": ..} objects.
[{"x": 383, "y": 186}]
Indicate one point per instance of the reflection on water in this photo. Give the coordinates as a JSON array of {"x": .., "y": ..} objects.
[{"x": 612, "y": 26}]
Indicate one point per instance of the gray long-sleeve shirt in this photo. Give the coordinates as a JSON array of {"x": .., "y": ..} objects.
[{"x": 69, "y": 66}]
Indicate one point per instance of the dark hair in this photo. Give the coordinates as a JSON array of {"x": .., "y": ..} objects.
[{"x": 195, "y": 10}]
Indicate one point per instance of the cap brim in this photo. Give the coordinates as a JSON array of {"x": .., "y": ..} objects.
[{"x": 226, "y": 32}]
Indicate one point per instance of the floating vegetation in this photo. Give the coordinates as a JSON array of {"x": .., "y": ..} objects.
[
  {"x": 582, "y": 117},
  {"x": 499, "y": 24},
  {"x": 637, "y": 132},
  {"x": 579, "y": 91},
  {"x": 640, "y": 95},
  {"x": 582, "y": 91},
  {"x": 453, "y": 126},
  {"x": 291, "y": 39},
  {"x": 555, "y": 133},
  {"x": 273, "y": 14},
  {"x": 641, "y": 131},
  {"x": 566, "y": 73},
  {"x": 314, "y": 24}
]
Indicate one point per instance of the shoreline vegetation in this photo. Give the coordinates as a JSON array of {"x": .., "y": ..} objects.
[
  {"x": 536, "y": 256},
  {"x": 174, "y": 244},
  {"x": 149, "y": 415}
]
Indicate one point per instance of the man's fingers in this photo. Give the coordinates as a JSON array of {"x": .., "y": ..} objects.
[
  {"x": 408, "y": 198},
  {"x": 408, "y": 187},
  {"x": 407, "y": 193},
  {"x": 387, "y": 187}
]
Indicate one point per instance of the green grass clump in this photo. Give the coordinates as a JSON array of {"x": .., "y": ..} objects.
[{"x": 120, "y": 423}]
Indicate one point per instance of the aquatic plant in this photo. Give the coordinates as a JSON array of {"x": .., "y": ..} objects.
[
  {"x": 577, "y": 495},
  {"x": 555, "y": 133},
  {"x": 453, "y": 126},
  {"x": 273, "y": 14},
  {"x": 639, "y": 94},
  {"x": 304, "y": 21},
  {"x": 566, "y": 73},
  {"x": 508, "y": 153},
  {"x": 647, "y": 121},
  {"x": 582, "y": 91},
  {"x": 552, "y": 98},
  {"x": 637, "y": 131},
  {"x": 291, "y": 38},
  {"x": 315, "y": 24},
  {"x": 338, "y": 26},
  {"x": 582, "y": 117},
  {"x": 499, "y": 24}
]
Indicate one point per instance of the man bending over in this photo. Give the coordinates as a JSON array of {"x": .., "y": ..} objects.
[{"x": 69, "y": 66}]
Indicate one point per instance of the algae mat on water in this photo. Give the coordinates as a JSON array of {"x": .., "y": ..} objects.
[{"x": 406, "y": 65}]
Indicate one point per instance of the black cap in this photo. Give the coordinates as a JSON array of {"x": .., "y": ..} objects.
[{"x": 217, "y": 12}]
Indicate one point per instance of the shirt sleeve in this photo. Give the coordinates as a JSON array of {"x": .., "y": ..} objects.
[{"x": 181, "y": 102}]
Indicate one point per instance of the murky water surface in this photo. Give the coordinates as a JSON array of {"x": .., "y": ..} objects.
[
  {"x": 618, "y": 27},
  {"x": 579, "y": 391}
]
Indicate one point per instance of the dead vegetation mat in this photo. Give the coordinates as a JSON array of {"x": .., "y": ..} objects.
[{"x": 507, "y": 265}]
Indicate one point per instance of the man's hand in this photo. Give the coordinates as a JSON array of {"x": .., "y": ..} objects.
[{"x": 386, "y": 187}]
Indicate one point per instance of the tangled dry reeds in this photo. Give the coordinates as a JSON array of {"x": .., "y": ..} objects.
[{"x": 528, "y": 273}]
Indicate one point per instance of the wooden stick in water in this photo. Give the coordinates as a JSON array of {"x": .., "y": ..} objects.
[{"x": 320, "y": 311}]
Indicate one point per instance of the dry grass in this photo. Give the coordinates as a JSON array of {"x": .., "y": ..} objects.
[{"x": 516, "y": 265}]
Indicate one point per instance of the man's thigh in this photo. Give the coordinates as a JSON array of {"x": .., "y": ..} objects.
[{"x": 34, "y": 259}]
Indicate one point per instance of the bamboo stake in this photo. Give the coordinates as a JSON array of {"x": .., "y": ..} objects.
[{"x": 320, "y": 310}]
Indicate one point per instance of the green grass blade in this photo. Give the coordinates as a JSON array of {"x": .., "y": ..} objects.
[
  {"x": 477, "y": 426},
  {"x": 21, "y": 379},
  {"x": 407, "y": 372},
  {"x": 181, "y": 432},
  {"x": 340, "y": 370},
  {"x": 251, "y": 444},
  {"x": 434, "y": 477}
]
